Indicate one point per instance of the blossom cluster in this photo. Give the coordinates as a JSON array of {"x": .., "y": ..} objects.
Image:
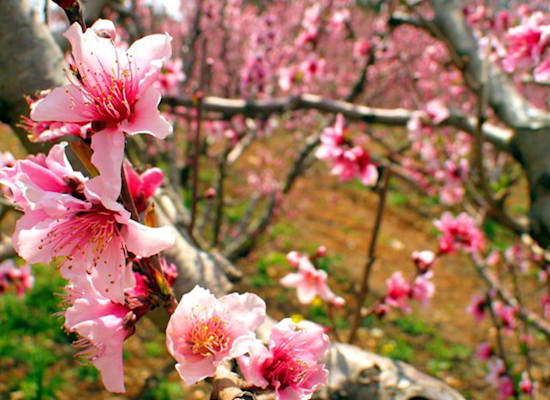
[
  {"x": 459, "y": 233},
  {"x": 205, "y": 331},
  {"x": 77, "y": 217},
  {"x": 309, "y": 281},
  {"x": 12, "y": 276},
  {"x": 399, "y": 291},
  {"x": 348, "y": 161}
]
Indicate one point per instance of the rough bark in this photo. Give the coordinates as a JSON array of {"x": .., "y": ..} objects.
[
  {"x": 30, "y": 62},
  {"x": 531, "y": 125}
]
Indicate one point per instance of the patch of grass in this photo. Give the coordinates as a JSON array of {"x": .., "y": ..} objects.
[
  {"x": 165, "y": 390},
  {"x": 413, "y": 326},
  {"x": 449, "y": 352},
  {"x": 398, "y": 349},
  {"x": 398, "y": 199}
]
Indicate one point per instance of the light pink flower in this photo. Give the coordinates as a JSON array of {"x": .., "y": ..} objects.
[
  {"x": 292, "y": 365},
  {"x": 204, "y": 331},
  {"x": 498, "y": 377},
  {"x": 170, "y": 77},
  {"x": 423, "y": 288},
  {"x": 437, "y": 111},
  {"x": 310, "y": 282},
  {"x": 142, "y": 187},
  {"x": 398, "y": 292},
  {"x": 294, "y": 258},
  {"x": 101, "y": 325},
  {"x": 6, "y": 159},
  {"x": 112, "y": 89},
  {"x": 64, "y": 216}
]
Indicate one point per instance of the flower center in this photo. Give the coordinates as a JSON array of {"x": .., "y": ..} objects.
[
  {"x": 88, "y": 229},
  {"x": 209, "y": 337},
  {"x": 112, "y": 93},
  {"x": 287, "y": 371}
]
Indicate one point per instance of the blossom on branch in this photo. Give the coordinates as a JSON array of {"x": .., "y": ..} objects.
[
  {"x": 65, "y": 217},
  {"x": 113, "y": 90},
  {"x": 205, "y": 331},
  {"x": 291, "y": 366}
]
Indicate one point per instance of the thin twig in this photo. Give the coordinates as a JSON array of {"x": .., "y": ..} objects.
[{"x": 371, "y": 256}]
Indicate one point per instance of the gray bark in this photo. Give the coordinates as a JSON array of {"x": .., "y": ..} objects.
[
  {"x": 531, "y": 125},
  {"x": 30, "y": 62}
]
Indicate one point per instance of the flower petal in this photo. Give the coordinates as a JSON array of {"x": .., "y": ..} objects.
[
  {"x": 146, "y": 117},
  {"x": 63, "y": 104},
  {"x": 145, "y": 241},
  {"x": 108, "y": 147}
]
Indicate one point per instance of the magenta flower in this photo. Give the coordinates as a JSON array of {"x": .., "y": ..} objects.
[
  {"x": 310, "y": 282},
  {"x": 100, "y": 323},
  {"x": 292, "y": 365},
  {"x": 506, "y": 314},
  {"x": 526, "y": 385},
  {"x": 63, "y": 216},
  {"x": 423, "y": 288},
  {"x": 477, "y": 307},
  {"x": 112, "y": 89},
  {"x": 398, "y": 293},
  {"x": 204, "y": 331},
  {"x": 484, "y": 351},
  {"x": 459, "y": 232},
  {"x": 142, "y": 187},
  {"x": 527, "y": 43}
]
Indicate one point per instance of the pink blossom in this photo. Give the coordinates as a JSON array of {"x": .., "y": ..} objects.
[
  {"x": 204, "y": 331},
  {"x": 526, "y": 385},
  {"x": 294, "y": 258},
  {"x": 545, "y": 300},
  {"x": 477, "y": 307},
  {"x": 171, "y": 76},
  {"x": 484, "y": 351},
  {"x": 527, "y": 43},
  {"x": 424, "y": 260},
  {"x": 6, "y": 159},
  {"x": 142, "y": 187},
  {"x": 437, "y": 111},
  {"x": 505, "y": 388},
  {"x": 493, "y": 258},
  {"x": 101, "y": 325},
  {"x": 398, "y": 292},
  {"x": 20, "y": 278},
  {"x": 291, "y": 366},
  {"x": 347, "y": 161},
  {"x": 517, "y": 257},
  {"x": 64, "y": 216},
  {"x": 423, "y": 288},
  {"x": 361, "y": 49},
  {"x": 111, "y": 88},
  {"x": 310, "y": 282},
  {"x": 459, "y": 232},
  {"x": 321, "y": 251},
  {"x": 506, "y": 314},
  {"x": 312, "y": 68}
]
